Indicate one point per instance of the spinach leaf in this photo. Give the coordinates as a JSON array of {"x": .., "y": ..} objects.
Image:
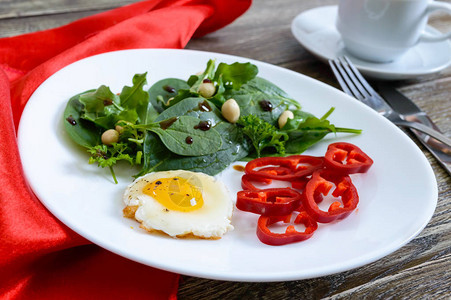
[
  {"x": 301, "y": 140},
  {"x": 304, "y": 130},
  {"x": 82, "y": 132},
  {"x": 163, "y": 90},
  {"x": 299, "y": 118},
  {"x": 195, "y": 107},
  {"x": 154, "y": 150},
  {"x": 182, "y": 137},
  {"x": 251, "y": 95},
  {"x": 234, "y": 147}
]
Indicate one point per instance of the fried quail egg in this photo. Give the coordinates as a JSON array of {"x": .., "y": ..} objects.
[{"x": 180, "y": 203}]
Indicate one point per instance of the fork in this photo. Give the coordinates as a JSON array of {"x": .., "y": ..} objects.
[{"x": 353, "y": 84}]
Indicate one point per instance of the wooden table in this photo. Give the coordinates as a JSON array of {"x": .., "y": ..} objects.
[{"x": 421, "y": 269}]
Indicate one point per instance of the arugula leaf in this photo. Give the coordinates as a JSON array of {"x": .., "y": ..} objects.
[
  {"x": 88, "y": 114},
  {"x": 96, "y": 101},
  {"x": 226, "y": 76},
  {"x": 195, "y": 80},
  {"x": 151, "y": 114},
  {"x": 101, "y": 106},
  {"x": 263, "y": 135},
  {"x": 134, "y": 97},
  {"x": 104, "y": 108},
  {"x": 181, "y": 95}
]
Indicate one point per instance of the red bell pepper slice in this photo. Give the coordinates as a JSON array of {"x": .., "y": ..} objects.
[
  {"x": 346, "y": 158},
  {"x": 300, "y": 184},
  {"x": 269, "y": 202},
  {"x": 290, "y": 235},
  {"x": 320, "y": 184},
  {"x": 247, "y": 185},
  {"x": 289, "y": 168}
]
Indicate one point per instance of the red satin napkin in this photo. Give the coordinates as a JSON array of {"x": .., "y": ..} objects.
[{"x": 40, "y": 258}]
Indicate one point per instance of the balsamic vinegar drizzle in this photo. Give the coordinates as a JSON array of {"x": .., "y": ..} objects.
[
  {"x": 203, "y": 125},
  {"x": 167, "y": 123},
  {"x": 169, "y": 89},
  {"x": 189, "y": 140},
  {"x": 238, "y": 168},
  {"x": 266, "y": 105},
  {"x": 71, "y": 120},
  {"x": 204, "y": 106}
]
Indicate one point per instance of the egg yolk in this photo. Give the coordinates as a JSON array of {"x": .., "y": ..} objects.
[{"x": 175, "y": 193}]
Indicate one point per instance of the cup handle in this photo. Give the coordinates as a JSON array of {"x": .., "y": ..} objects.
[{"x": 428, "y": 37}]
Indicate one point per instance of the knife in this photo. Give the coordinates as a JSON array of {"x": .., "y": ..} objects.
[{"x": 413, "y": 113}]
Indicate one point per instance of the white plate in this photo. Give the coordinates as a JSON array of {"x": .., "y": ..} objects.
[
  {"x": 315, "y": 31},
  {"x": 397, "y": 196}
]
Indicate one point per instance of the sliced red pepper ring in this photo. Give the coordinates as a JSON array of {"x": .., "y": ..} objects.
[
  {"x": 246, "y": 183},
  {"x": 269, "y": 202},
  {"x": 275, "y": 171},
  {"x": 300, "y": 183},
  {"x": 346, "y": 158},
  {"x": 290, "y": 235},
  {"x": 321, "y": 184},
  {"x": 290, "y": 168}
]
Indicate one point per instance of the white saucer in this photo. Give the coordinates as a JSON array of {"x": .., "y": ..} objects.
[{"x": 315, "y": 30}]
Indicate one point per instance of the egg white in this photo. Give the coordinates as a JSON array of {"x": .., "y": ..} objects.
[{"x": 211, "y": 221}]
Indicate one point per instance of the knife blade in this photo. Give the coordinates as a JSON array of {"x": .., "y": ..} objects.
[
  {"x": 411, "y": 112},
  {"x": 404, "y": 105}
]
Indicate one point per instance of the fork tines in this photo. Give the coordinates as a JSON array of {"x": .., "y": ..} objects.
[{"x": 350, "y": 79}]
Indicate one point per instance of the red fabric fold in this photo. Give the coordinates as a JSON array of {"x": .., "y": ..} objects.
[{"x": 40, "y": 258}]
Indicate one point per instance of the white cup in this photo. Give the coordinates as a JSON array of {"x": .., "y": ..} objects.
[{"x": 383, "y": 30}]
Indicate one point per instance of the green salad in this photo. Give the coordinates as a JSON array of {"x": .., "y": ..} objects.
[{"x": 203, "y": 124}]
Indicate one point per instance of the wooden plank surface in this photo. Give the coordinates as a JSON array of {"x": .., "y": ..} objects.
[
  {"x": 420, "y": 269},
  {"x": 25, "y": 8}
]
